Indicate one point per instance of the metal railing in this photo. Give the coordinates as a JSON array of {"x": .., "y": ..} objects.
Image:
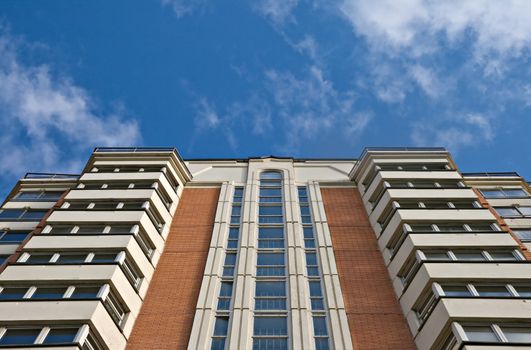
[
  {"x": 493, "y": 174},
  {"x": 51, "y": 176},
  {"x": 135, "y": 149}
]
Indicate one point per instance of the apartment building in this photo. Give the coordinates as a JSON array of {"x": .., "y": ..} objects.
[{"x": 145, "y": 250}]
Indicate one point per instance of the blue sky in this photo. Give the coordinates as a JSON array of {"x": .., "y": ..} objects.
[{"x": 245, "y": 78}]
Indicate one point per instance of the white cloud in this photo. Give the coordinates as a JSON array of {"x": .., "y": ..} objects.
[
  {"x": 503, "y": 27},
  {"x": 277, "y": 11},
  {"x": 46, "y": 121},
  {"x": 427, "y": 80},
  {"x": 455, "y": 132},
  {"x": 184, "y": 8},
  {"x": 206, "y": 115}
]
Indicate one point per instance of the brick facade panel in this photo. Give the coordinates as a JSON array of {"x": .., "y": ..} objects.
[
  {"x": 374, "y": 315},
  {"x": 165, "y": 320}
]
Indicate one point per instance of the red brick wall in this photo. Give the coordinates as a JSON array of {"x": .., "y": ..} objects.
[
  {"x": 166, "y": 317},
  {"x": 374, "y": 315}
]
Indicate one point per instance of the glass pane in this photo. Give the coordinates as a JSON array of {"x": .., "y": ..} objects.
[
  {"x": 305, "y": 210},
  {"x": 85, "y": 292},
  {"x": 505, "y": 212},
  {"x": 451, "y": 227},
  {"x": 270, "y": 326},
  {"x": 129, "y": 206},
  {"x": 469, "y": 255},
  {"x": 60, "y": 229},
  {"x": 311, "y": 259},
  {"x": 270, "y": 243},
  {"x": 20, "y": 336},
  {"x": 232, "y": 244},
  {"x": 270, "y": 304},
  {"x": 91, "y": 229},
  {"x": 421, "y": 227},
  {"x": 270, "y": 344},
  {"x": 48, "y": 293},
  {"x": 270, "y": 199},
  {"x": 309, "y": 243},
  {"x": 506, "y": 256},
  {"x": 234, "y": 233},
  {"x": 236, "y": 210},
  {"x": 115, "y": 229},
  {"x": 515, "y": 193},
  {"x": 12, "y": 293},
  {"x": 104, "y": 258},
  {"x": 39, "y": 258},
  {"x": 270, "y": 210},
  {"x": 271, "y": 175},
  {"x": 456, "y": 291},
  {"x": 487, "y": 227},
  {"x": 218, "y": 344},
  {"x": 523, "y": 291},
  {"x": 29, "y": 195},
  {"x": 226, "y": 289},
  {"x": 11, "y": 214},
  {"x": 270, "y": 259},
  {"x": 223, "y": 303},
  {"x": 51, "y": 195},
  {"x": 221, "y": 326},
  {"x": 436, "y": 255},
  {"x": 319, "y": 326},
  {"x": 72, "y": 258},
  {"x": 315, "y": 289},
  {"x": 270, "y": 289},
  {"x": 271, "y": 220},
  {"x": 317, "y": 304},
  {"x": 230, "y": 259},
  {"x": 493, "y": 291},
  {"x": 308, "y": 232},
  {"x": 526, "y": 211},
  {"x": 306, "y": 219},
  {"x": 274, "y": 232},
  {"x": 492, "y": 193},
  {"x": 321, "y": 344},
  {"x": 517, "y": 334},
  {"x": 480, "y": 333},
  {"x": 270, "y": 192},
  {"x": 14, "y": 236},
  {"x": 313, "y": 271},
  {"x": 34, "y": 215},
  {"x": 228, "y": 271},
  {"x": 60, "y": 336},
  {"x": 524, "y": 235},
  {"x": 271, "y": 271}
]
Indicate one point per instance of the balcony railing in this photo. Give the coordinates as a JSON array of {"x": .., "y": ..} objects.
[{"x": 51, "y": 176}]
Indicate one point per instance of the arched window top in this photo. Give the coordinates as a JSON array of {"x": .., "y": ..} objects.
[{"x": 271, "y": 175}]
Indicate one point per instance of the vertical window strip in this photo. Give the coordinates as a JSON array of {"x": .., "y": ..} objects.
[
  {"x": 320, "y": 328},
  {"x": 221, "y": 324},
  {"x": 270, "y": 330}
]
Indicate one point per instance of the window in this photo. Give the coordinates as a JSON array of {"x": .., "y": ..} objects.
[
  {"x": 469, "y": 255},
  {"x": 316, "y": 295},
  {"x": 270, "y": 295},
  {"x": 436, "y": 255},
  {"x": 225, "y": 295},
  {"x": 60, "y": 336},
  {"x": 523, "y": 235},
  {"x": 221, "y": 328},
  {"x": 311, "y": 264},
  {"x": 69, "y": 258},
  {"x": 51, "y": 196},
  {"x": 238, "y": 195},
  {"x": 456, "y": 291},
  {"x": 90, "y": 229},
  {"x": 3, "y": 258},
  {"x": 235, "y": 215},
  {"x": 12, "y": 293},
  {"x": 309, "y": 241},
  {"x": 492, "y": 291},
  {"x": 513, "y": 212},
  {"x": 85, "y": 292},
  {"x": 523, "y": 291},
  {"x": 504, "y": 193},
  {"x": 305, "y": 214},
  {"x": 234, "y": 233},
  {"x": 230, "y": 262},
  {"x": 321, "y": 332},
  {"x": 13, "y": 237},
  {"x": 39, "y": 258},
  {"x": 21, "y": 214},
  {"x": 270, "y": 264},
  {"x": 48, "y": 293},
  {"x": 270, "y": 333},
  {"x": 14, "y": 336},
  {"x": 480, "y": 333},
  {"x": 104, "y": 258},
  {"x": 517, "y": 334},
  {"x": 271, "y": 237},
  {"x": 270, "y": 214}
]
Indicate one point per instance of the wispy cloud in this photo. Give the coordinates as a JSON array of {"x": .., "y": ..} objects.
[
  {"x": 453, "y": 132},
  {"x": 277, "y": 11},
  {"x": 47, "y": 120},
  {"x": 183, "y": 8}
]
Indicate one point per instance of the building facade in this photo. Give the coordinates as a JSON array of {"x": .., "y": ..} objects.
[{"x": 144, "y": 250}]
